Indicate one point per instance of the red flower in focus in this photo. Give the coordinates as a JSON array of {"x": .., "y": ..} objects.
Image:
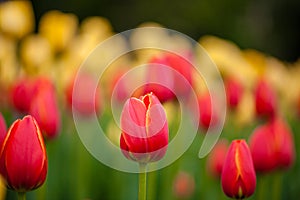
[
  {"x": 272, "y": 146},
  {"x": 144, "y": 127},
  {"x": 2, "y": 129},
  {"x": 84, "y": 99},
  {"x": 165, "y": 83},
  {"x": 23, "y": 159},
  {"x": 209, "y": 114},
  {"x": 183, "y": 185},
  {"x": 238, "y": 176},
  {"x": 44, "y": 108},
  {"x": 265, "y": 99},
  {"x": 216, "y": 158},
  {"x": 234, "y": 92}
]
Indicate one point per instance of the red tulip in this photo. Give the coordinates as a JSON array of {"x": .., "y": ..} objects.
[
  {"x": 2, "y": 129},
  {"x": 216, "y": 158},
  {"x": 168, "y": 83},
  {"x": 183, "y": 185},
  {"x": 234, "y": 92},
  {"x": 272, "y": 146},
  {"x": 22, "y": 93},
  {"x": 45, "y": 110},
  {"x": 209, "y": 115},
  {"x": 23, "y": 159},
  {"x": 144, "y": 126},
  {"x": 238, "y": 176},
  {"x": 265, "y": 99},
  {"x": 83, "y": 99}
]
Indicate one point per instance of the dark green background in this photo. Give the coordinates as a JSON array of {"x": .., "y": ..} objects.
[{"x": 271, "y": 26}]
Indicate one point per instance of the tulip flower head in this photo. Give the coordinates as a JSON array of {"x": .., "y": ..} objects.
[
  {"x": 209, "y": 113},
  {"x": 234, "y": 92},
  {"x": 45, "y": 110},
  {"x": 80, "y": 97},
  {"x": 238, "y": 176},
  {"x": 183, "y": 185},
  {"x": 272, "y": 146},
  {"x": 144, "y": 127},
  {"x": 265, "y": 100},
  {"x": 168, "y": 82},
  {"x": 22, "y": 93},
  {"x": 23, "y": 158},
  {"x": 216, "y": 158}
]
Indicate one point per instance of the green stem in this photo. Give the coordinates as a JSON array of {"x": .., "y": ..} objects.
[
  {"x": 21, "y": 196},
  {"x": 142, "y": 181},
  {"x": 277, "y": 186},
  {"x": 152, "y": 183}
]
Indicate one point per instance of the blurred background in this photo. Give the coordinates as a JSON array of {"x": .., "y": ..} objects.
[
  {"x": 271, "y": 26},
  {"x": 255, "y": 45}
]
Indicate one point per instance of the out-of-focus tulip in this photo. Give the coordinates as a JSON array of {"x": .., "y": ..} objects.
[
  {"x": 23, "y": 158},
  {"x": 183, "y": 185},
  {"x": 238, "y": 176},
  {"x": 44, "y": 108},
  {"x": 272, "y": 146},
  {"x": 168, "y": 83},
  {"x": 16, "y": 18},
  {"x": 144, "y": 127},
  {"x": 265, "y": 99},
  {"x": 59, "y": 28},
  {"x": 234, "y": 92},
  {"x": 216, "y": 158},
  {"x": 208, "y": 111},
  {"x": 22, "y": 93},
  {"x": 36, "y": 53},
  {"x": 83, "y": 100},
  {"x": 2, "y": 129}
]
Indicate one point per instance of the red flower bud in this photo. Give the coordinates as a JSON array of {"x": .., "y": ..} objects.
[
  {"x": 272, "y": 146},
  {"x": 144, "y": 126},
  {"x": 238, "y": 176},
  {"x": 2, "y": 130},
  {"x": 183, "y": 185},
  {"x": 83, "y": 99},
  {"x": 45, "y": 110},
  {"x": 168, "y": 82},
  {"x": 22, "y": 93},
  {"x": 209, "y": 114},
  {"x": 216, "y": 158},
  {"x": 23, "y": 159},
  {"x": 265, "y": 100},
  {"x": 234, "y": 92}
]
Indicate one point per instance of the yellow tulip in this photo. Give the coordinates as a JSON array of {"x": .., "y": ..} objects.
[
  {"x": 59, "y": 28},
  {"x": 16, "y": 18}
]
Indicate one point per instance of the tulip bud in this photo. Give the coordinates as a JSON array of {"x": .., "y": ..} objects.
[
  {"x": 144, "y": 127},
  {"x": 208, "y": 111},
  {"x": 265, "y": 100},
  {"x": 216, "y": 158},
  {"x": 44, "y": 108},
  {"x": 167, "y": 81},
  {"x": 23, "y": 159},
  {"x": 234, "y": 92},
  {"x": 272, "y": 146},
  {"x": 22, "y": 93},
  {"x": 2, "y": 129},
  {"x": 238, "y": 176},
  {"x": 83, "y": 100},
  {"x": 183, "y": 185}
]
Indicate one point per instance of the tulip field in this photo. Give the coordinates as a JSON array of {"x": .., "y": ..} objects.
[{"x": 87, "y": 113}]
